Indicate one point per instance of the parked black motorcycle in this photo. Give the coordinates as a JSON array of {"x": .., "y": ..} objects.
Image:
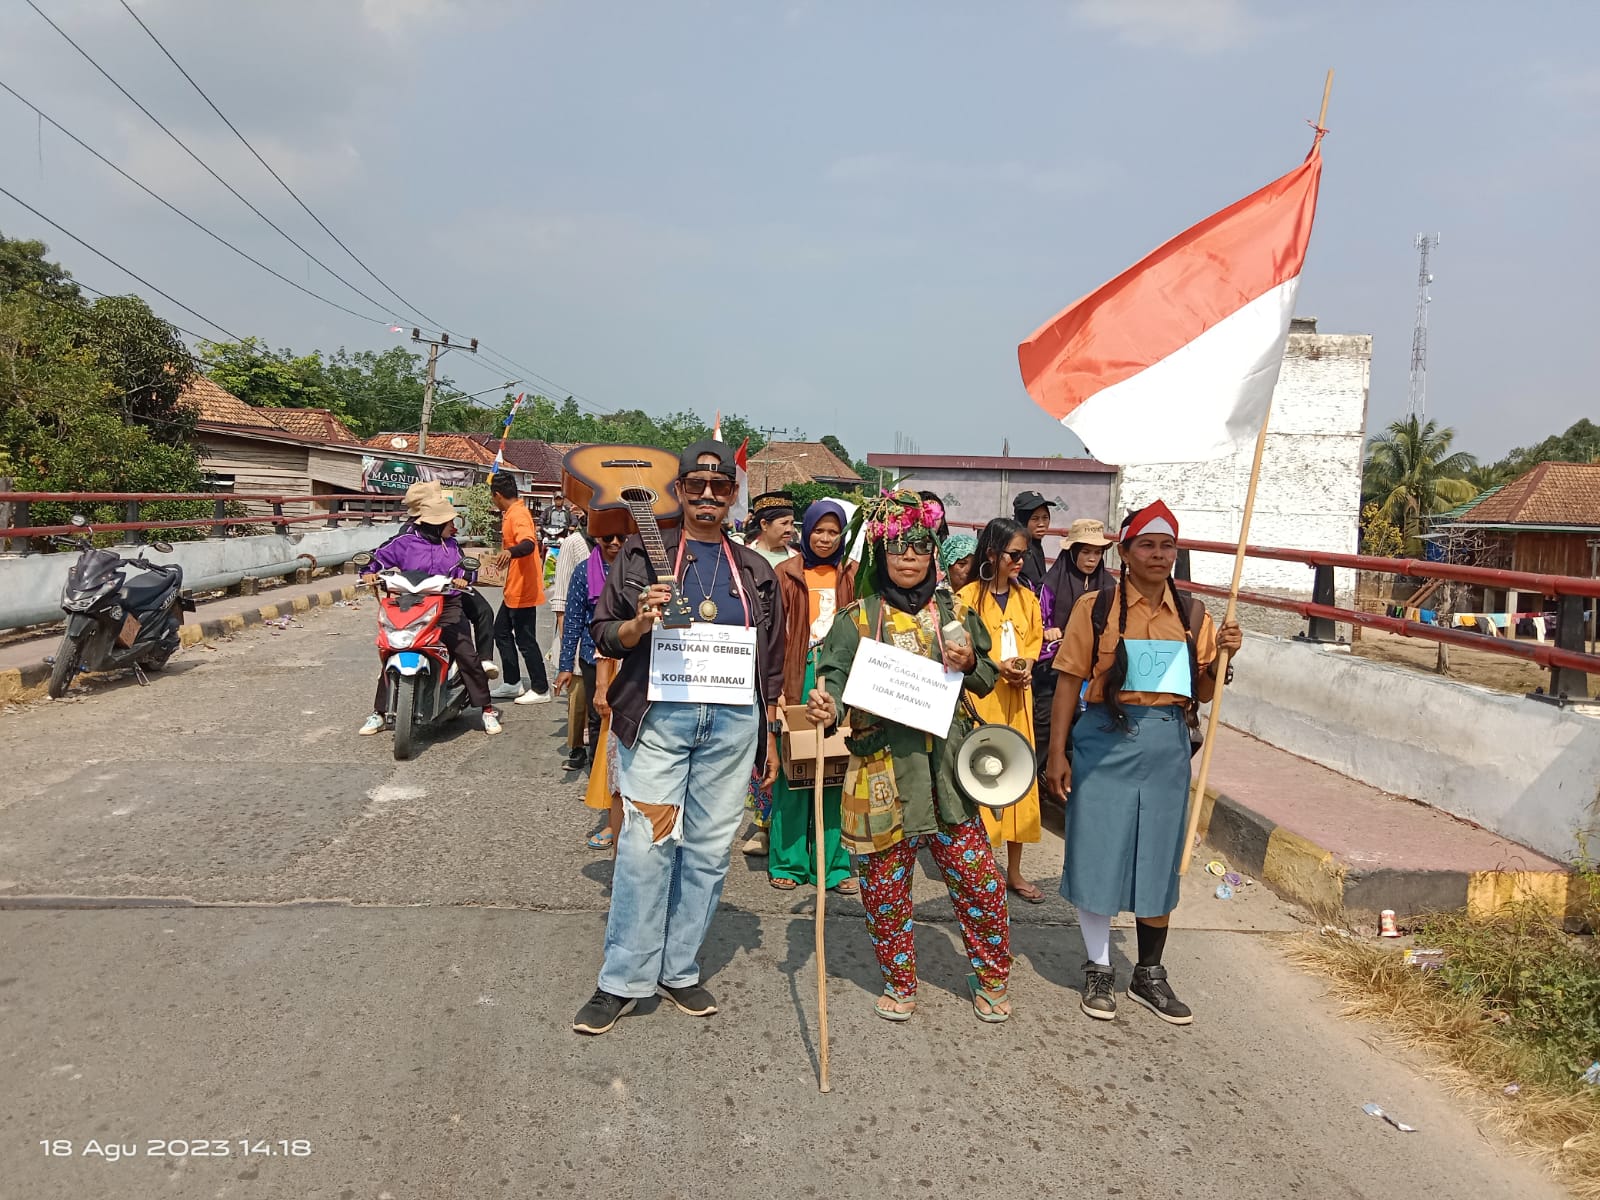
[{"x": 113, "y": 622}]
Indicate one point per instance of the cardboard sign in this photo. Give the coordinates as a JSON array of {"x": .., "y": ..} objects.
[
  {"x": 1157, "y": 666},
  {"x": 903, "y": 687},
  {"x": 703, "y": 664}
]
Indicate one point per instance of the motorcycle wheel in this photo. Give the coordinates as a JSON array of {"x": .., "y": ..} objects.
[
  {"x": 68, "y": 655},
  {"x": 404, "y": 713}
]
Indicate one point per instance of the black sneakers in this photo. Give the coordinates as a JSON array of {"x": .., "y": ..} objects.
[
  {"x": 601, "y": 1013},
  {"x": 1099, "y": 998},
  {"x": 694, "y": 999},
  {"x": 577, "y": 759},
  {"x": 1149, "y": 988}
]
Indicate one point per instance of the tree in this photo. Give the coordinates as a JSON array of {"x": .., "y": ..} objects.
[
  {"x": 1411, "y": 474},
  {"x": 253, "y": 373},
  {"x": 146, "y": 363},
  {"x": 23, "y": 263},
  {"x": 1580, "y": 443},
  {"x": 1380, "y": 537}
]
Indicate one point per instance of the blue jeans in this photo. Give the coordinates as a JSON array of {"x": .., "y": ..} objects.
[{"x": 697, "y": 758}]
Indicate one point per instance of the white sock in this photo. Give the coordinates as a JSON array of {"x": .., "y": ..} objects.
[{"x": 1096, "y": 930}]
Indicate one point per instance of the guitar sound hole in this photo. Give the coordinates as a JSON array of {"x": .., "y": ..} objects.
[{"x": 638, "y": 495}]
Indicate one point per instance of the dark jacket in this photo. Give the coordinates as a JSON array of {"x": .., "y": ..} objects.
[
  {"x": 619, "y": 603},
  {"x": 797, "y": 618}
]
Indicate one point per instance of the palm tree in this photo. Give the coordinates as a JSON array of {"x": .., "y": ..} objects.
[{"x": 1410, "y": 474}]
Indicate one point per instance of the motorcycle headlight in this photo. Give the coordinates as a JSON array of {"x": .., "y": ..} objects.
[{"x": 401, "y": 639}]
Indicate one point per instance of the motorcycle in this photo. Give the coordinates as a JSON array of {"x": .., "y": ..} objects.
[
  {"x": 113, "y": 622},
  {"x": 425, "y": 685}
]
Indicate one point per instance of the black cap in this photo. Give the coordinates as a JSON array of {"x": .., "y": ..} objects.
[
  {"x": 1026, "y": 502},
  {"x": 689, "y": 460}
]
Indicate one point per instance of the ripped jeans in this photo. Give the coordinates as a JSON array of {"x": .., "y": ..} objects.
[{"x": 695, "y": 758}]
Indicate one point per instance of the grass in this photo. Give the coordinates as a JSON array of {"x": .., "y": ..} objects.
[{"x": 1517, "y": 1001}]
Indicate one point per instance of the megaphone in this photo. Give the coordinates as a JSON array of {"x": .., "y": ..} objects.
[{"x": 994, "y": 766}]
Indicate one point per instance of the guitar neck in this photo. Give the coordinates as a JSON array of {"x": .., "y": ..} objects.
[{"x": 644, "y": 517}]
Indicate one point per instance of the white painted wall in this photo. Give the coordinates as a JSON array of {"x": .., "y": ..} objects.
[
  {"x": 1526, "y": 770},
  {"x": 1309, "y": 497}
]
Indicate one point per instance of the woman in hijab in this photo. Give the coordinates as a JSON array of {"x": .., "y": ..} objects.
[
  {"x": 1077, "y": 571},
  {"x": 815, "y": 585},
  {"x": 900, "y": 792},
  {"x": 956, "y": 555}
]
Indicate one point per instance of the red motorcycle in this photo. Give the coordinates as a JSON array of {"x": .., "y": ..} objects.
[{"x": 425, "y": 686}]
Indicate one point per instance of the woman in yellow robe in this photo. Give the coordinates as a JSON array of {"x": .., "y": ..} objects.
[{"x": 1010, "y": 612}]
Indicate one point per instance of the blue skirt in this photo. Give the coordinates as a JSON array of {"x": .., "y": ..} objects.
[{"x": 1128, "y": 811}]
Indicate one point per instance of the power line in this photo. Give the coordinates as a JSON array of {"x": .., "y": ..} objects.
[
  {"x": 320, "y": 223},
  {"x": 202, "y": 162},
  {"x": 44, "y": 116},
  {"x": 101, "y": 254}
]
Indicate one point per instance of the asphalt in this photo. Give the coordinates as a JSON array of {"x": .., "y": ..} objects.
[{"x": 224, "y": 917}]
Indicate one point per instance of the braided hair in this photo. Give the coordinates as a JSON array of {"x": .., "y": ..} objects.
[{"x": 1118, "y": 673}]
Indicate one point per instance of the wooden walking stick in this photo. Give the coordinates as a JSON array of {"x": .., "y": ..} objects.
[
  {"x": 822, "y": 896},
  {"x": 1198, "y": 796}
]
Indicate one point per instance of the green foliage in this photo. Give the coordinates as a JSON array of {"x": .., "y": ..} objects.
[
  {"x": 1380, "y": 536},
  {"x": 483, "y": 519},
  {"x": 1410, "y": 473},
  {"x": 23, "y": 265},
  {"x": 146, "y": 363},
  {"x": 807, "y": 494},
  {"x": 1580, "y": 443},
  {"x": 543, "y": 419}
]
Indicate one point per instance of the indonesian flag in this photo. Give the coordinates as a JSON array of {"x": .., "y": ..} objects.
[
  {"x": 741, "y": 460},
  {"x": 1175, "y": 359}
]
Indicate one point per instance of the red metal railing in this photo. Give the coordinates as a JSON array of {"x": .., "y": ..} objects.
[{"x": 361, "y": 507}]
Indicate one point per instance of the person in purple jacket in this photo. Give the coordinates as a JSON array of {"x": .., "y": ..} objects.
[{"x": 430, "y": 546}]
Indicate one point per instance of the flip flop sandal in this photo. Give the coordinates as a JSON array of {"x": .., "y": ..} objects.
[
  {"x": 602, "y": 841},
  {"x": 897, "y": 1010},
  {"x": 847, "y": 887},
  {"x": 782, "y": 884},
  {"x": 1038, "y": 898},
  {"x": 992, "y": 999}
]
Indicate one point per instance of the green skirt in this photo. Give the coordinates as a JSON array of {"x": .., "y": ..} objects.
[{"x": 792, "y": 841}]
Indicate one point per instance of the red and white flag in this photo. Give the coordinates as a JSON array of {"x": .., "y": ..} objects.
[
  {"x": 1175, "y": 359},
  {"x": 741, "y": 501}
]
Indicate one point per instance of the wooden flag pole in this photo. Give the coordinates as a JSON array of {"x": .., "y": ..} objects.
[
  {"x": 822, "y": 896},
  {"x": 1198, "y": 795}
]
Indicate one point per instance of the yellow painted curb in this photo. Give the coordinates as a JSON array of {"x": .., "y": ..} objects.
[
  {"x": 269, "y": 612},
  {"x": 1303, "y": 871},
  {"x": 1207, "y": 806},
  {"x": 300, "y": 604},
  {"x": 1490, "y": 893},
  {"x": 233, "y": 623},
  {"x": 10, "y": 685},
  {"x": 191, "y": 635}
]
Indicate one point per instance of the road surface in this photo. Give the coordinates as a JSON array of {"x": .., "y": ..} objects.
[{"x": 351, "y": 978}]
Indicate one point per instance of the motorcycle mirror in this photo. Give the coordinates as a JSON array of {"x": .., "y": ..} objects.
[
  {"x": 469, "y": 564},
  {"x": 161, "y": 547},
  {"x": 80, "y": 521},
  {"x": 362, "y": 559}
]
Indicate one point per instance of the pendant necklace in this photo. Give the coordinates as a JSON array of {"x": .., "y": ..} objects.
[{"x": 708, "y": 606}]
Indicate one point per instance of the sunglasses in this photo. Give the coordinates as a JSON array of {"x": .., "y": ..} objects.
[
  {"x": 693, "y": 489},
  {"x": 1015, "y": 555},
  {"x": 612, "y": 537},
  {"x": 921, "y": 547}
]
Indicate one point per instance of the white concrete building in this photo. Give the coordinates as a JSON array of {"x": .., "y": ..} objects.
[{"x": 1309, "y": 497}]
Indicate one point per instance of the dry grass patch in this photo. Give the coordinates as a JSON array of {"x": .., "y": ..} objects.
[{"x": 1516, "y": 1002}]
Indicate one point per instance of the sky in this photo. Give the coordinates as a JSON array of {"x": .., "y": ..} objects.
[{"x": 828, "y": 217}]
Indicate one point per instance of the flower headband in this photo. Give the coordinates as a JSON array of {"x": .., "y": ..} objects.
[{"x": 901, "y": 513}]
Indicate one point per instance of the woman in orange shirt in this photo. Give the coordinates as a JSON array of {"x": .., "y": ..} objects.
[{"x": 1129, "y": 775}]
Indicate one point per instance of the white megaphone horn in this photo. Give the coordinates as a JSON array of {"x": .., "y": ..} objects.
[{"x": 994, "y": 766}]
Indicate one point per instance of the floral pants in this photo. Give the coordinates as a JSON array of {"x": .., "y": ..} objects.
[
  {"x": 758, "y": 800},
  {"x": 977, "y": 889}
]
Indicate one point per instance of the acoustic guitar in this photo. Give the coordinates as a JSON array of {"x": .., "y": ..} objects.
[{"x": 627, "y": 489}]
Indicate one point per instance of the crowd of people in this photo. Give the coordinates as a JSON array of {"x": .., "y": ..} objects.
[{"x": 1100, "y": 671}]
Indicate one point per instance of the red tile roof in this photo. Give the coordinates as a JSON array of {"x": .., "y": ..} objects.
[
  {"x": 212, "y": 404},
  {"x": 457, "y": 446},
  {"x": 1553, "y": 493},
  {"x": 778, "y": 465},
  {"x": 316, "y": 423},
  {"x": 539, "y": 459}
]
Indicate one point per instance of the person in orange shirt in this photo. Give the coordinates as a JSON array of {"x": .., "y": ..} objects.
[{"x": 514, "y": 625}]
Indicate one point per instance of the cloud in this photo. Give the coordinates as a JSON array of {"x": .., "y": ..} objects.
[
  {"x": 900, "y": 170},
  {"x": 1196, "y": 26}
]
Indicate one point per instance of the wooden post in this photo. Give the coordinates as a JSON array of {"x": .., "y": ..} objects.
[
  {"x": 822, "y": 896},
  {"x": 1198, "y": 795}
]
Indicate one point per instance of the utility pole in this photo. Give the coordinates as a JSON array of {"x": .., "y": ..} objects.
[
  {"x": 445, "y": 345},
  {"x": 770, "y": 432}
]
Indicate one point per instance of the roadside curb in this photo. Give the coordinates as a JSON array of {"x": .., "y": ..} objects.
[
  {"x": 1301, "y": 871},
  {"x": 17, "y": 680}
]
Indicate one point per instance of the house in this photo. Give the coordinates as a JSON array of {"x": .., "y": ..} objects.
[
  {"x": 976, "y": 488},
  {"x": 303, "y": 452},
  {"x": 1546, "y": 521},
  {"x": 778, "y": 465},
  {"x": 539, "y": 462}
]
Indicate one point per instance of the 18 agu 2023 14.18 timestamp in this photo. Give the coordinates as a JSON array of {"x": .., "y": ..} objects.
[{"x": 115, "y": 1151}]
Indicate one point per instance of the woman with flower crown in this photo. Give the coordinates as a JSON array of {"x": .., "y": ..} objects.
[{"x": 900, "y": 792}]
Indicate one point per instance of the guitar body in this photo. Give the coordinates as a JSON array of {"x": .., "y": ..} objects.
[
  {"x": 631, "y": 489},
  {"x": 595, "y": 477}
]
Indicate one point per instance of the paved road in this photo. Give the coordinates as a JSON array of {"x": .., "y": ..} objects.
[{"x": 301, "y": 941}]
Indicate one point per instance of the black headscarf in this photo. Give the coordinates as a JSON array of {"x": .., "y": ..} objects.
[
  {"x": 1067, "y": 585},
  {"x": 908, "y": 600}
]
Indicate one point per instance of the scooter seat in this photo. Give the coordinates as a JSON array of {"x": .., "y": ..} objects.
[{"x": 148, "y": 590}]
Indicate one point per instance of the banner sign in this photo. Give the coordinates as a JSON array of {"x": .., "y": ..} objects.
[
  {"x": 704, "y": 664},
  {"x": 900, "y": 686}
]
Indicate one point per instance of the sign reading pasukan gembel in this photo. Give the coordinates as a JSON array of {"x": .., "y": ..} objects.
[{"x": 703, "y": 664}]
